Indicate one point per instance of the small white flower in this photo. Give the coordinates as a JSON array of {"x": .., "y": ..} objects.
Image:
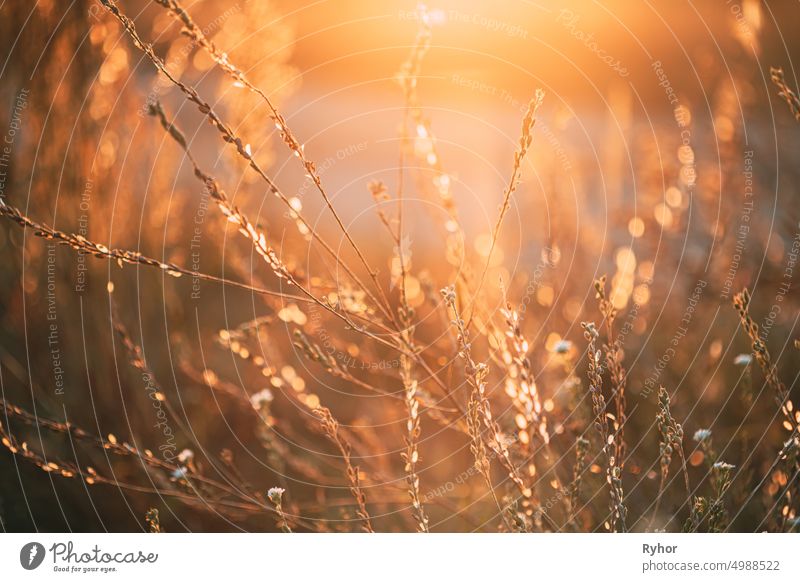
[
  {"x": 743, "y": 360},
  {"x": 185, "y": 455},
  {"x": 562, "y": 346},
  {"x": 180, "y": 473},
  {"x": 258, "y": 399},
  {"x": 701, "y": 435},
  {"x": 275, "y": 494},
  {"x": 723, "y": 466}
]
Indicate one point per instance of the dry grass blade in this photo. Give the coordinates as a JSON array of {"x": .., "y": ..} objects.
[
  {"x": 194, "y": 32},
  {"x": 245, "y": 227},
  {"x": 330, "y": 427},
  {"x": 120, "y": 256},
  {"x": 791, "y": 422},
  {"x": 411, "y": 454},
  {"x": 776, "y": 74},
  {"x": 581, "y": 448},
  {"x": 741, "y": 302},
  {"x": 671, "y": 439},
  {"x": 230, "y": 137},
  {"x": 215, "y": 495},
  {"x": 617, "y": 372},
  {"x": 525, "y": 141}
]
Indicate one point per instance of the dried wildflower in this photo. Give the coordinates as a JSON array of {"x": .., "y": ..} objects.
[
  {"x": 791, "y": 421},
  {"x": 742, "y": 303},
  {"x": 330, "y": 427},
  {"x": 153, "y": 521},
  {"x": 710, "y": 513},
  {"x": 424, "y": 140},
  {"x": 479, "y": 414},
  {"x": 413, "y": 429},
  {"x": 671, "y": 440},
  {"x": 581, "y": 448},
  {"x": 613, "y": 472},
  {"x": 791, "y": 418},
  {"x": 520, "y": 383},
  {"x": 517, "y": 519},
  {"x": 617, "y": 372},
  {"x": 275, "y": 496}
]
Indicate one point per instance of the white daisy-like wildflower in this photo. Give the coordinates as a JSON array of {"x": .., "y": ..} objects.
[
  {"x": 185, "y": 455},
  {"x": 258, "y": 399},
  {"x": 743, "y": 359},
  {"x": 275, "y": 494},
  {"x": 701, "y": 435},
  {"x": 723, "y": 466}
]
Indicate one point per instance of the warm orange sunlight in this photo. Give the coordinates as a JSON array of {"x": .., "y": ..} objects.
[{"x": 341, "y": 266}]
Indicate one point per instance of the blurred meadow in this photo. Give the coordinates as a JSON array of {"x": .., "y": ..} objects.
[{"x": 346, "y": 266}]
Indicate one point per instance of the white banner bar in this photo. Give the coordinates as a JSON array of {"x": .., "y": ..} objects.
[{"x": 401, "y": 557}]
